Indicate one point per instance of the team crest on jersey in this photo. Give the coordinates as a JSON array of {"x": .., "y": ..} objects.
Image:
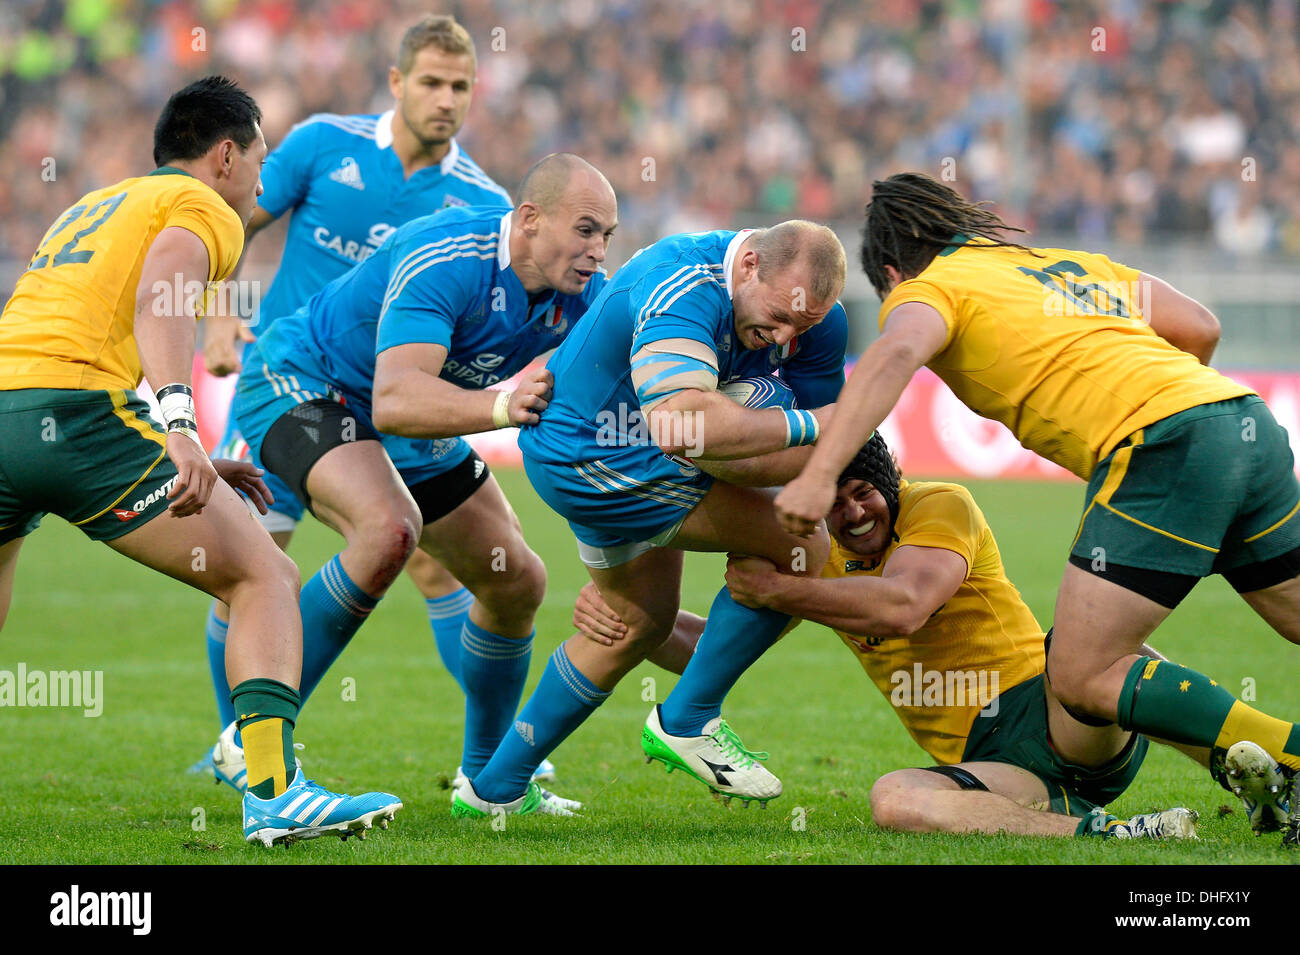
[
  {"x": 449, "y": 201},
  {"x": 555, "y": 320},
  {"x": 784, "y": 353},
  {"x": 349, "y": 174}
]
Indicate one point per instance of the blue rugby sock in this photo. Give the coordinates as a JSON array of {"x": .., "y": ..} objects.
[
  {"x": 494, "y": 669},
  {"x": 562, "y": 700},
  {"x": 447, "y": 616},
  {"x": 333, "y": 608},
  {"x": 216, "y": 633},
  {"x": 734, "y": 637}
]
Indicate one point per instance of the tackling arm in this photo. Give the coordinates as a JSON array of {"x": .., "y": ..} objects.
[
  {"x": 913, "y": 334},
  {"x": 764, "y": 470},
  {"x": 915, "y": 583}
]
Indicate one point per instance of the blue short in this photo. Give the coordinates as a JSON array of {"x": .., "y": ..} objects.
[
  {"x": 266, "y": 393},
  {"x": 626, "y": 497}
]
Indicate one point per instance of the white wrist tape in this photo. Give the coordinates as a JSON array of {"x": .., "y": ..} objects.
[
  {"x": 501, "y": 409},
  {"x": 176, "y": 401}
]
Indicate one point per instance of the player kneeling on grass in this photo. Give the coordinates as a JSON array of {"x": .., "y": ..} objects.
[
  {"x": 95, "y": 311},
  {"x": 915, "y": 587}
]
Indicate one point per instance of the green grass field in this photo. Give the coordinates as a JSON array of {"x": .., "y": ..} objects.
[{"x": 113, "y": 789}]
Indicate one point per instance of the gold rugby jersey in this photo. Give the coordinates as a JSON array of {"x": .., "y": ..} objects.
[
  {"x": 981, "y": 642},
  {"x": 1055, "y": 346},
  {"x": 70, "y": 322}
]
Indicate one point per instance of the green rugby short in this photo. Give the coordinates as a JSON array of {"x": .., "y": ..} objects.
[
  {"x": 1207, "y": 491},
  {"x": 95, "y": 458},
  {"x": 1018, "y": 735}
]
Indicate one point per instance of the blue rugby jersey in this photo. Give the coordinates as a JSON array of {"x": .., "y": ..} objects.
[
  {"x": 677, "y": 288},
  {"x": 442, "y": 279},
  {"x": 348, "y": 192}
]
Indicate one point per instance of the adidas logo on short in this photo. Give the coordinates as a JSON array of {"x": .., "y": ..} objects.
[
  {"x": 525, "y": 730},
  {"x": 349, "y": 174},
  {"x": 478, "y": 469}
]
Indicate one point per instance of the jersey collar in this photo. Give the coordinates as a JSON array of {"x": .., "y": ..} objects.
[
  {"x": 732, "y": 248},
  {"x": 503, "y": 243},
  {"x": 384, "y": 140}
]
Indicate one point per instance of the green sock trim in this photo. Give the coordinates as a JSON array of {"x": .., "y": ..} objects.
[
  {"x": 1097, "y": 823},
  {"x": 262, "y": 698},
  {"x": 1161, "y": 698},
  {"x": 1124, "y": 708}
]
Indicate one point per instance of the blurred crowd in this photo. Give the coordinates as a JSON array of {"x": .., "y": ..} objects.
[{"x": 1108, "y": 120}]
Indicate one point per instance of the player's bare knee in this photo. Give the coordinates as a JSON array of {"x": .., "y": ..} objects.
[
  {"x": 894, "y": 802},
  {"x": 513, "y": 588},
  {"x": 386, "y": 541},
  {"x": 272, "y": 573},
  {"x": 645, "y": 634}
]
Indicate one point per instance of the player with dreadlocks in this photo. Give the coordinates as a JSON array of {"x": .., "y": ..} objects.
[
  {"x": 1101, "y": 369},
  {"x": 914, "y": 587}
]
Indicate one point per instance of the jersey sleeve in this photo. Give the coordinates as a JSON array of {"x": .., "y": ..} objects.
[
  {"x": 425, "y": 297},
  {"x": 929, "y": 293},
  {"x": 287, "y": 171},
  {"x": 946, "y": 517},
  {"x": 674, "y": 332},
  {"x": 816, "y": 373},
  {"x": 200, "y": 210}
]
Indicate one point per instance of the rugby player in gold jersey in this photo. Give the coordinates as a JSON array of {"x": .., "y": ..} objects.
[
  {"x": 915, "y": 588},
  {"x": 111, "y": 296},
  {"x": 1101, "y": 369}
]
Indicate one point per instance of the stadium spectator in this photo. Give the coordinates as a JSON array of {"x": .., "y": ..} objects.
[{"x": 1112, "y": 121}]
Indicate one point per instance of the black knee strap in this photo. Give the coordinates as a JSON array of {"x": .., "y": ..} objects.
[{"x": 962, "y": 777}]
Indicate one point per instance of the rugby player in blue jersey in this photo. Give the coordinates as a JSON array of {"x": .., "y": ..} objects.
[
  {"x": 449, "y": 305},
  {"x": 348, "y": 182},
  {"x": 621, "y": 452}
]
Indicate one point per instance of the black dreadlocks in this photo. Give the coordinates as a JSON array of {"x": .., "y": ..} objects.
[
  {"x": 875, "y": 464},
  {"x": 911, "y": 218}
]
